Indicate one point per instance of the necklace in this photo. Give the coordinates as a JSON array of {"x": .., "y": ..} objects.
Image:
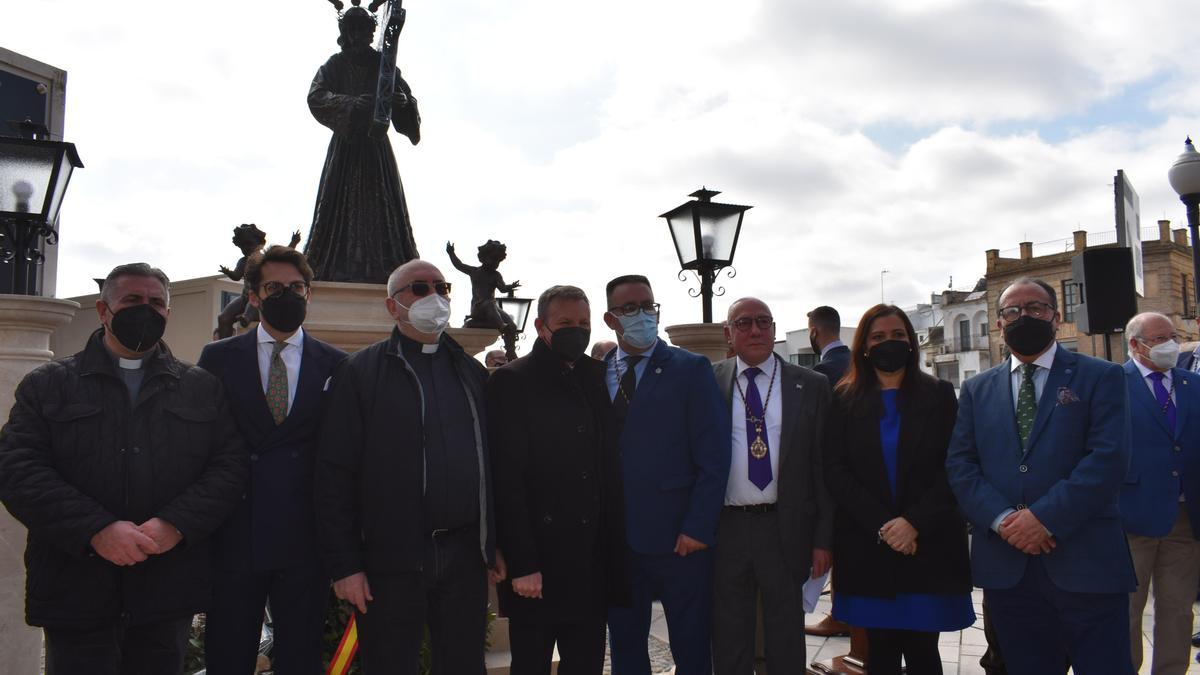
[{"x": 758, "y": 449}]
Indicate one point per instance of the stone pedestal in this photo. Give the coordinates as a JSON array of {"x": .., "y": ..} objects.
[
  {"x": 474, "y": 340},
  {"x": 26, "y": 323},
  {"x": 701, "y": 338},
  {"x": 348, "y": 316}
]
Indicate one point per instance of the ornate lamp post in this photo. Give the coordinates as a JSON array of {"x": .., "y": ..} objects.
[
  {"x": 518, "y": 309},
  {"x": 1184, "y": 177},
  {"x": 34, "y": 174},
  {"x": 705, "y": 234}
]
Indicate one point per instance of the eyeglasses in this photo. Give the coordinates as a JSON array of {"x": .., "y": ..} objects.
[
  {"x": 1158, "y": 340},
  {"x": 743, "y": 324},
  {"x": 273, "y": 287},
  {"x": 632, "y": 308},
  {"x": 1035, "y": 309},
  {"x": 422, "y": 288}
]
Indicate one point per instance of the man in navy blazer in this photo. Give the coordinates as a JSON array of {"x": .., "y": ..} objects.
[
  {"x": 1036, "y": 461},
  {"x": 1160, "y": 500},
  {"x": 675, "y": 467},
  {"x": 275, "y": 377}
]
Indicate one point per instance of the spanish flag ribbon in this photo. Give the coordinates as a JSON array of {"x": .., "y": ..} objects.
[{"x": 344, "y": 656}]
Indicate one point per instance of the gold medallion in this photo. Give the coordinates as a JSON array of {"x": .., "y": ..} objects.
[{"x": 758, "y": 449}]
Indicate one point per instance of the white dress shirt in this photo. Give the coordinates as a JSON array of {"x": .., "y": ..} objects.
[
  {"x": 1043, "y": 362},
  {"x": 291, "y": 359},
  {"x": 1167, "y": 379},
  {"x": 616, "y": 367},
  {"x": 740, "y": 491},
  {"x": 832, "y": 345}
]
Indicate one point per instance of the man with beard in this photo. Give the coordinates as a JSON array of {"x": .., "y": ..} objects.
[
  {"x": 558, "y": 513},
  {"x": 404, "y": 500},
  {"x": 121, "y": 461},
  {"x": 360, "y": 229},
  {"x": 274, "y": 377},
  {"x": 825, "y": 335},
  {"x": 1038, "y": 455}
]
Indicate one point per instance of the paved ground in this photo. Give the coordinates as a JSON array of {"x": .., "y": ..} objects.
[{"x": 960, "y": 650}]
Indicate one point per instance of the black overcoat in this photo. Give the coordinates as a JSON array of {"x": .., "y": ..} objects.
[
  {"x": 558, "y": 498},
  {"x": 857, "y": 478}
]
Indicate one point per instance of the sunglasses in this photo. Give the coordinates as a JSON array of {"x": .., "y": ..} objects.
[{"x": 422, "y": 288}]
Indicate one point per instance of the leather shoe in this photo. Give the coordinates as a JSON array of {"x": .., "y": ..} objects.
[{"x": 827, "y": 627}]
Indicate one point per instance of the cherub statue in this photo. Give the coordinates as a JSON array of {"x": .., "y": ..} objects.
[
  {"x": 485, "y": 281},
  {"x": 250, "y": 240}
]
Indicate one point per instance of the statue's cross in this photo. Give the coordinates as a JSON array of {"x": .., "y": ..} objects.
[{"x": 385, "y": 88}]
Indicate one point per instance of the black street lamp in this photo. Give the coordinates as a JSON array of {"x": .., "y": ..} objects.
[
  {"x": 518, "y": 310},
  {"x": 1184, "y": 177},
  {"x": 705, "y": 234},
  {"x": 34, "y": 174}
]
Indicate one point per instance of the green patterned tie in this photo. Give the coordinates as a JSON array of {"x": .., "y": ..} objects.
[
  {"x": 1026, "y": 405},
  {"x": 277, "y": 385}
]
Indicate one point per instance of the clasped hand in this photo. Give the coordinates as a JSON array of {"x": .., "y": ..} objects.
[
  {"x": 900, "y": 535},
  {"x": 124, "y": 543},
  {"x": 1023, "y": 531}
]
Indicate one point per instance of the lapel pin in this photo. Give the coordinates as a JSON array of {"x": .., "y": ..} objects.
[
  {"x": 1185, "y": 381},
  {"x": 658, "y": 371}
]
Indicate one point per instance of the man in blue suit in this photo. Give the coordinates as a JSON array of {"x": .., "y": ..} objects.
[
  {"x": 1036, "y": 461},
  {"x": 675, "y": 467},
  {"x": 1160, "y": 500},
  {"x": 275, "y": 377}
]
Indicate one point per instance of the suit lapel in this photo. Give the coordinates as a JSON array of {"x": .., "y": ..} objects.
[
  {"x": 791, "y": 404},
  {"x": 650, "y": 377},
  {"x": 1140, "y": 395},
  {"x": 725, "y": 371},
  {"x": 1061, "y": 374},
  {"x": 245, "y": 378},
  {"x": 1183, "y": 399},
  {"x": 308, "y": 389},
  {"x": 1000, "y": 387},
  {"x": 912, "y": 425}
]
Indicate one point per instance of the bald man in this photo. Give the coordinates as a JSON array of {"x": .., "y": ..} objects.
[{"x": 404, "y": 499}]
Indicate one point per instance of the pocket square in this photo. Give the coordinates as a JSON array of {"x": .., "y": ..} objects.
[{"x": 1066, "y": 396}]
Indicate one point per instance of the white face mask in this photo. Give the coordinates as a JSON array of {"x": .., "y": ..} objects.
[
  {"x": 430, "y": 314},
  {"x": 1165, "y": 355}
]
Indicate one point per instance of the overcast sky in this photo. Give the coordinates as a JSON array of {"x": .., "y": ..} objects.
[{"x": 909, "y": 135}]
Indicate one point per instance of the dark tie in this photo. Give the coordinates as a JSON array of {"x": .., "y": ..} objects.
[
  {"x": 756, "y": 433},
  {"x": 1165, "y": 404},
  {"x": 626, "y": 387},
  {"x": 277, "y": 385},
  {"x": 1026, "y": 405}
]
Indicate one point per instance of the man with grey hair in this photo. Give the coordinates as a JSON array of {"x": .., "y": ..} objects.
[
  {"x": 404, "y": 520},
  {"x": 1160, "y": 498},
  {"x": 554, "y": 453},
  {"x": 121, "y": 461}
]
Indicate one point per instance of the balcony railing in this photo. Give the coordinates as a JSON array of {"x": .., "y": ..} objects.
[{"x": 959, "y": 344}]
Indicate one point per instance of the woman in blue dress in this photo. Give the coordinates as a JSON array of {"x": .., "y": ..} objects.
[{"x": 900, "y": 541}]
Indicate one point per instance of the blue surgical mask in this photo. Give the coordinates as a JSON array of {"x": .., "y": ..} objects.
[{"x": 641, "y": 329}]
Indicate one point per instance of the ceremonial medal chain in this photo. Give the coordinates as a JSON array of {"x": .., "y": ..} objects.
[
  {"x": 1170, "y": 393},
  {"x": 758, "y": 449}
]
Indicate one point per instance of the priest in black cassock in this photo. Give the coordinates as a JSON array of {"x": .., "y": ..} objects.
[{"x": 360, "y": 230}]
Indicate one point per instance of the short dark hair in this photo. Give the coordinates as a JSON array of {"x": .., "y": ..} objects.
[
  {"x": 1020, "y": 281},
  {"x": 138, "y": 269},
  {"x": 624, "y": 279},
  {"x": 558, "y": 293},
  {"x": 826, "y": 317},
  {"x": 276, "y": 254}
]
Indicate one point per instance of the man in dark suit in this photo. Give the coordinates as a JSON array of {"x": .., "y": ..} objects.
[
  {"x": 824, "y": 333},
  {"x": 275, "y": 376},
  {"x": 674, "y": 470},
  {"x": 558, "y": 515},
  {"x": 777, "y": 524},
  {"x": 1160, "y": 500},
  {"x": 1039, "y": 451}
]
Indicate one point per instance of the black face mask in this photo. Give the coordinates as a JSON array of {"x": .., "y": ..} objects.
[
  {"x": 1028, "y": 336},
  {"x": 570, "y": 343},
  {"x": 138, "y": 328},
  {"x": 285, "y": 310},
  {"x": 890, "y": 355}
]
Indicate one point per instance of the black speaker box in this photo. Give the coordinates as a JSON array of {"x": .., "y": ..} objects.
[{"x": 1107, "y": 297}]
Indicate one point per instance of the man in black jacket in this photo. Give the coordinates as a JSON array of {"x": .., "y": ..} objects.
[
  {"x": 275, "y": 376},
  {"x": 121, "y": 460},
  {"x": 403, "y": 496},
  {"x": 554, "y": 455},
  {"x": 825, "y": 336}
]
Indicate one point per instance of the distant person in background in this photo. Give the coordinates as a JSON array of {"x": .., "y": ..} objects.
[
  {"x": 900, "y": 541},
  {"x": 1160, "y": 498},
  {"x": 601, "y": 348},
  {"x": 495, "y": 358},
  {"x": 824, "y": 333}
]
